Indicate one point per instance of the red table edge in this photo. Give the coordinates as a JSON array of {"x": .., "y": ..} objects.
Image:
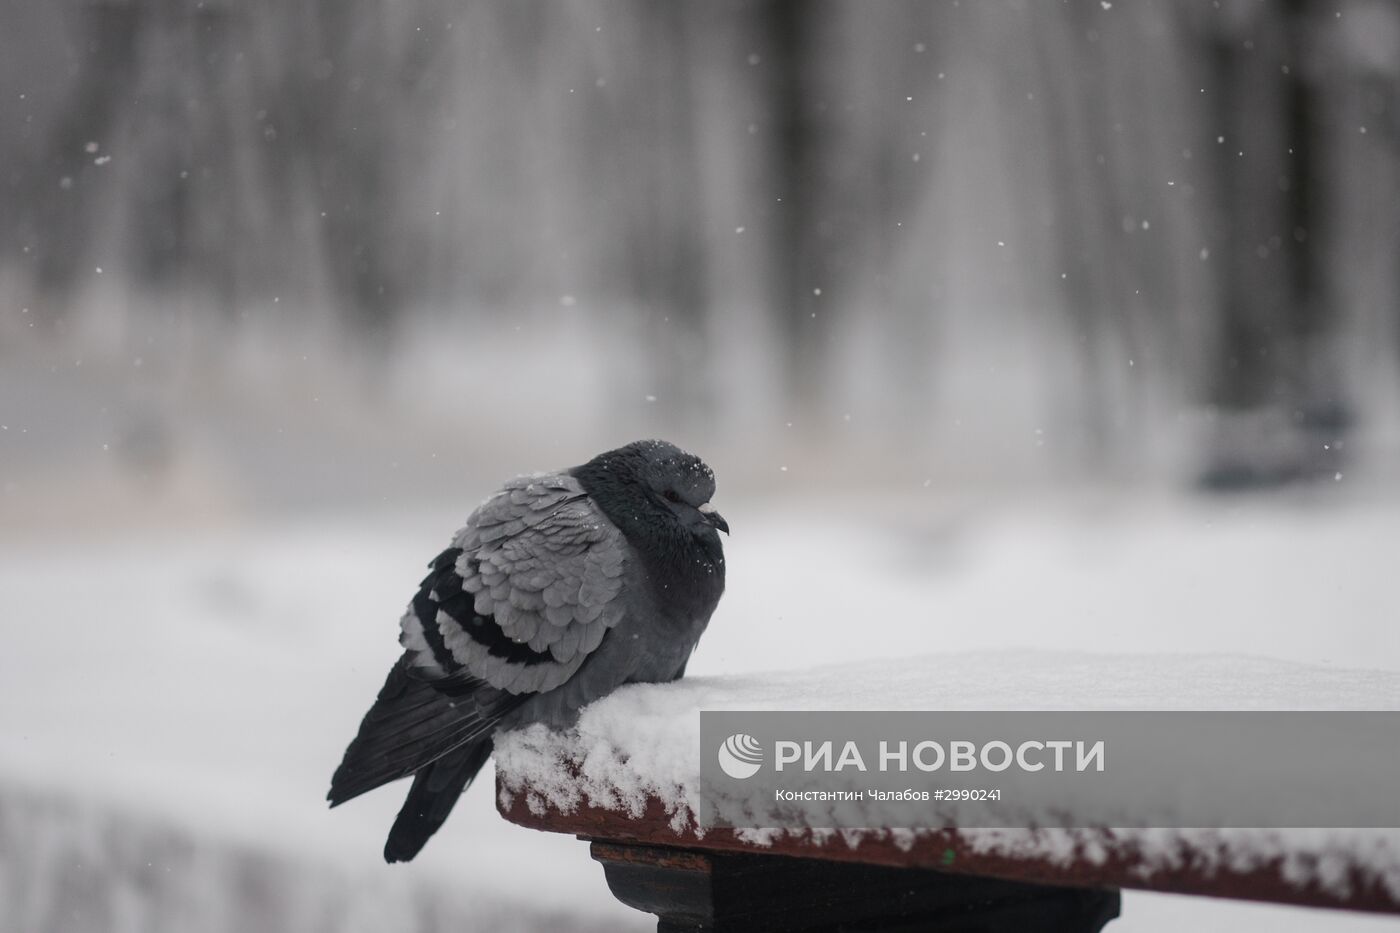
[{"x": 947, "y": 851}]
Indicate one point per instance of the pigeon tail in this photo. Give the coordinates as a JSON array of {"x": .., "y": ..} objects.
[
  {"x": 412, "y": 724},
  {"x": 435, "y": 789}
]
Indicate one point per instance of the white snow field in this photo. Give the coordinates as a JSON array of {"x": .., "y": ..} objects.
[{"x": 172, "y": 703}]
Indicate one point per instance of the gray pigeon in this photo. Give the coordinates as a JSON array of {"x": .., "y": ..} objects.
[{"x": 559, "y": 589}]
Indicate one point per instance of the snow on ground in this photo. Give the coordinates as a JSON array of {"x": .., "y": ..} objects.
[
  {"x": 180, "y": 698},
  {"x": 205, "y": 689},
  {"x": 1292, "y": 579}
]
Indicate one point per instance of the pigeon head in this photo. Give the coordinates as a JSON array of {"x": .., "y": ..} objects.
[
  {"x": 682, "y": 483},
  {"x": 650, "y": 483}
]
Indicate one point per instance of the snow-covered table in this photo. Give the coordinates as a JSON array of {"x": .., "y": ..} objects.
[{"x": 627, "y": 776}]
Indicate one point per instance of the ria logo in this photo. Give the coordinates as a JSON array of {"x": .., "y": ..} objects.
[{"x": 740, "y": 756}]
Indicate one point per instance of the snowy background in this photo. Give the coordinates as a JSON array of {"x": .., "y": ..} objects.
[{"x": 1006, "y": 327}]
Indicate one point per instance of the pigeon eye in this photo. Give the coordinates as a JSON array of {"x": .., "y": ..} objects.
[{"x": 672, "y": 496}]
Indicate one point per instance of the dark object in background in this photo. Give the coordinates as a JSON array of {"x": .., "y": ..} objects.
[
  {"x": 1276, "y": 382},
  {"x": 558, "y": 590}
]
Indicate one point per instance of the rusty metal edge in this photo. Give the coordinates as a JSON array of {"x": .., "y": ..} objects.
[{"x": 1119, "y": 867}]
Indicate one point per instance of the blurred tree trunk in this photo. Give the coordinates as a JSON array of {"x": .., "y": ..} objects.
[
  {"x": 1276, "y": 312},
  {"x": 801, "y": 265},
  {"x": 157, "y": 94},
  {"x": 1088, "y": 208},
  {"x": 668, "y": 256},
  {"x": 897, "y": 180},
  {"x": 347, "y": 104},
  {"x": 67, "y": 177}
]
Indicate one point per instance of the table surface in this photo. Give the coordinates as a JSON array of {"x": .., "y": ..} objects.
[{"x": 628, "y": 773}]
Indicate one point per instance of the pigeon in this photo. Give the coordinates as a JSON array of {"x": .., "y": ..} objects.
[{"x": 559, "y": 589}]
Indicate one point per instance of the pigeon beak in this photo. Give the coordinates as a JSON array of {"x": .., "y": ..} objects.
[{"x": 714, "y": 518}]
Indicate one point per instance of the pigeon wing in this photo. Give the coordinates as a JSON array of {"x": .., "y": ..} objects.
[{"x": 526, "y": 592}]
